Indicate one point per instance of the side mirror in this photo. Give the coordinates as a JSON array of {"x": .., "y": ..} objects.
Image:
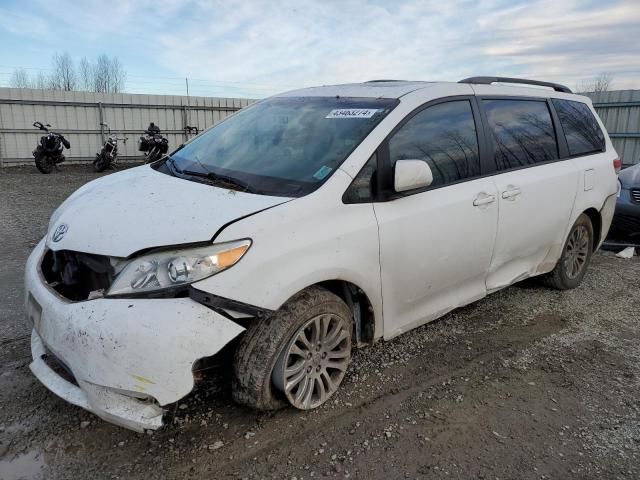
[{"x": 411, "y": 174}]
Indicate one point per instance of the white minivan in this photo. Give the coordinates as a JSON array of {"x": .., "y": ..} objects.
[{"x": 306, "y": 225}]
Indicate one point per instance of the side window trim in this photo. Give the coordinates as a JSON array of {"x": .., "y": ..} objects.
[
  {"x": 385, "y": 178},
  {"x": 563, "y": 146},
  {"x": 488, "y": 158},
  {"x": 559, "y": 134}
]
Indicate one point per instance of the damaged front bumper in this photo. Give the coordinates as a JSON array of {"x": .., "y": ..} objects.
[{"x": 126, "y": 357}]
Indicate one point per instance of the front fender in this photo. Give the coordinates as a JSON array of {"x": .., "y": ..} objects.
[{"x": 301, "y": 243}]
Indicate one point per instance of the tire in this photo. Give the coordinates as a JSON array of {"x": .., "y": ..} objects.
[
  {"x": 100, "y": 164},
  {"x": 266, "y": 346},
  {"x": 577, "y": 248},
  {"x": 44, "y": 164}
]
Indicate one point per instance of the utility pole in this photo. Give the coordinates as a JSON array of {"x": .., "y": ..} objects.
[{"x": 187, "y": 113}]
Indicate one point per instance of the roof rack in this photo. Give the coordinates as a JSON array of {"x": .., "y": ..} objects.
[
  {"x": 384, "y": 80},
  {"x": 489, "y": 80}
]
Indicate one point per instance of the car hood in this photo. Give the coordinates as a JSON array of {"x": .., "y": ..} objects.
[
  {"x": 141, "y": 208},
  {"x": 630, "y": 177}
]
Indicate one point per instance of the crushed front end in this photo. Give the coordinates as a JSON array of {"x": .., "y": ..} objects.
[{"x": 120, "y": 358}]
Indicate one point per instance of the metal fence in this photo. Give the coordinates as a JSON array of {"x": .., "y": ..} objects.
[
  {"x": 620, "y": 113},
  {"x": 78, "y": 115}
]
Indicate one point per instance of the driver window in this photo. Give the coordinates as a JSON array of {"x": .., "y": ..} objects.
[{"x": 444, "y": 136}]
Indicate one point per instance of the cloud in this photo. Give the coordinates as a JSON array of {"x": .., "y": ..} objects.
[
  {"x": 565, "y": 41},
  {"x": 22, "y": 24},
  {"x": 306, "y": 43},
  {"x": 260, "y": 47}
]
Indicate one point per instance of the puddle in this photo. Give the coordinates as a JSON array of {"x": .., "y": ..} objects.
[{"x": 28, "y": 466}]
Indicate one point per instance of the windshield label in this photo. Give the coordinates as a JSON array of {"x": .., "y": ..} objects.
[
  {"x": 352, "y": 113},
  {"x": 322, "y": 172}
]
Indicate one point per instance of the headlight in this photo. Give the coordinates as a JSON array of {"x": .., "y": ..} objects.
[
  {"x": 619, "y": 189},
  {"x": 174, "y": 268}
]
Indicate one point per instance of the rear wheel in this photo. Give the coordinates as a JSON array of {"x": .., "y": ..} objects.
[
  {"x": 44, "y": 163},
  {"x": 297, "y": 356},
  {"x": 576, "y": 256}
]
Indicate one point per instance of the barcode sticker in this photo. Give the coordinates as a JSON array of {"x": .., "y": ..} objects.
[{"x": 352, "y": 113}]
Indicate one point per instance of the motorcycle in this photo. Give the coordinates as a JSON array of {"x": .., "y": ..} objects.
[
  {"x": 48, "y": 154},
  {"x": 108, "y": 155},
  {"x": 191, "y": 131},
  {"x": 153, "y": 144}
]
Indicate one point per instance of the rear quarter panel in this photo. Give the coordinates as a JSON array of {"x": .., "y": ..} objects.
[{"x": 598, "y": 181}]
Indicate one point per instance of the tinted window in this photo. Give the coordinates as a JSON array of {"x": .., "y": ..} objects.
[
  {"x": 444, "y": 136},
  {"x": 522, "y": 131},
  {"x": 580, "y": 127}
]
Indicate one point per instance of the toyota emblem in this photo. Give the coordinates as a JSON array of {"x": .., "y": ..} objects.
[{"x": 59, "y": 232}]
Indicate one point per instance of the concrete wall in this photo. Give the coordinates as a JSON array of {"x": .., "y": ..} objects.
[
  {"x": 77, "y": 115},
  {"x": 620, "y": 113}
]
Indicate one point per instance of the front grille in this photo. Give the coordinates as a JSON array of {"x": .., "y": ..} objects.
[
  {"x": 635, "y": 195},
  {"x": 75, "y": 275}
]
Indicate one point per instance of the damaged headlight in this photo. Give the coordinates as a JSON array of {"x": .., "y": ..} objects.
[{"x": 173, "y": 268}]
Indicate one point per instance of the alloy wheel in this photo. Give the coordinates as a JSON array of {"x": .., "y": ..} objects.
[
  {"x": 312, "y": 366},
  {"x": 576, "y": 252}
]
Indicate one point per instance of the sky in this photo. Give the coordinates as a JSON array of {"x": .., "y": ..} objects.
[{"x": 258, "y": 48}]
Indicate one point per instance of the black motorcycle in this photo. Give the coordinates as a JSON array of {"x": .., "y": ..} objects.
[
  {"x": 191, "y": 131},
  {"x": 108, "y": 155},
  {"x": 48, "y": 154},
  {"x": 153, "y": 144}
]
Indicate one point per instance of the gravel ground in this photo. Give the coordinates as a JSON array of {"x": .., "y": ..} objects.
[{"x": 527, "y": 383}]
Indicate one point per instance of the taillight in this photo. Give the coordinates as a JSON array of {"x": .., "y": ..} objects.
[{"x": 617, "y": 165}]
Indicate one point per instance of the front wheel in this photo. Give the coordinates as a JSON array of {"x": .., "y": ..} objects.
[
  {"x": 44, "y": 163},
  {"x": 576, "y": 256},
  {"x": 101, "y": 163},
  {"x": 297, "y": 355}
]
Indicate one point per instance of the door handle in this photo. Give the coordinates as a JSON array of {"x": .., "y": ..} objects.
[
  {"x": 483, "y": 199},
  {"x": 511, "y": 193}
]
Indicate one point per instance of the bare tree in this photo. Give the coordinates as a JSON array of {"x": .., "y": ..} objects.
[
  {"x": 86, "y": 75},
  {"x": 117, "y": 76},
  {"x": 40, "y": 81},
  {"x": 101, "y": 73},
  {"x": 601, "y": 83},
  {"x": 20, "y": 79},
  {"x": 105, "y": 75},
  {"x": 63, "y": 76}
]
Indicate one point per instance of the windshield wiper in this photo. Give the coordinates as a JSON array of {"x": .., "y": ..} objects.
[{"x": 223, "y": 180}]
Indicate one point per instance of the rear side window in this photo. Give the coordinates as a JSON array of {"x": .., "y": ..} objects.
[
  {"x": 580, "y": 127},
  {"x": 522, "y": 132},
  {"x": 444, "y": 136}
]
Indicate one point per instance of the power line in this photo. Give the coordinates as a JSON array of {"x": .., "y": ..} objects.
[{"x": 180, "y": 80}]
